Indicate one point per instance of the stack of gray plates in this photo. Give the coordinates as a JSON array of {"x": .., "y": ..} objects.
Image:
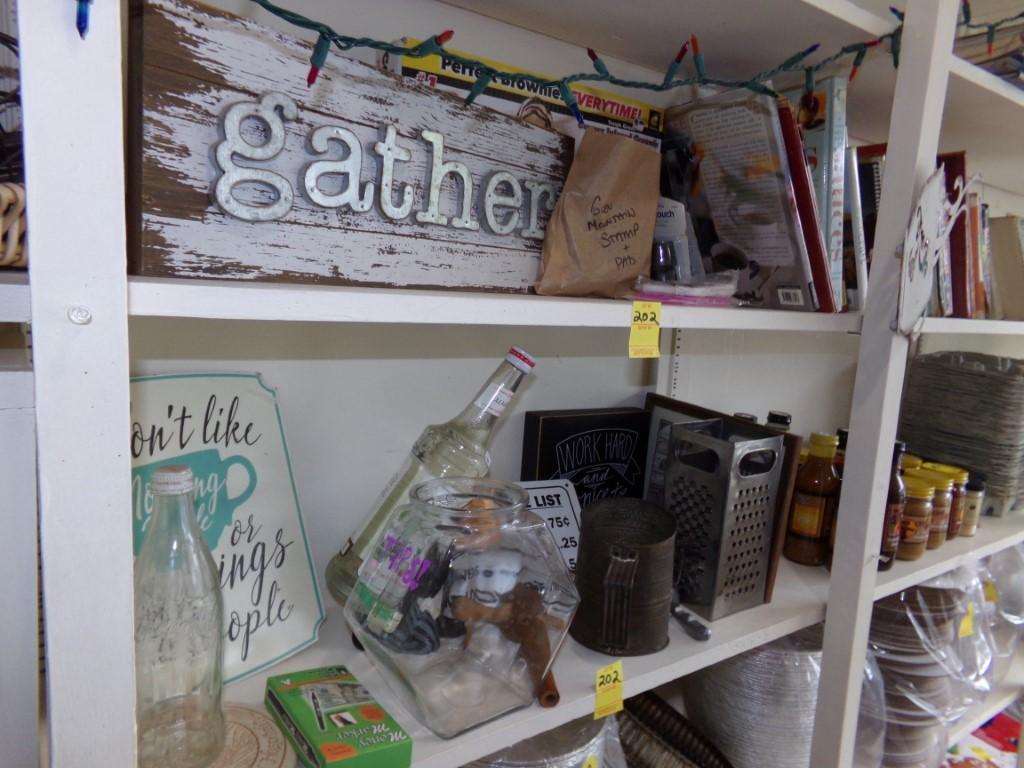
[
  {"x": 870, "y": 744},
  {"x": 967, "y": 409},
  {"x": 758, "y": 707},
  {"x": 913, "y": 635},
  {"x": 577, "y": 744}
]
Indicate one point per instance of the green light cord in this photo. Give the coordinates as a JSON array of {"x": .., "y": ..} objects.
[{"x": 433, "y": 46}]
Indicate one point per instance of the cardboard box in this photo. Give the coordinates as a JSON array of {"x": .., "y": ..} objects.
[
  {"x": 330, "y": 719},
  {"x": 602, "y": 110}
]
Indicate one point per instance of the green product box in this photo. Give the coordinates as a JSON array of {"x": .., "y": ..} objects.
[{"x": 331, "y": 719}]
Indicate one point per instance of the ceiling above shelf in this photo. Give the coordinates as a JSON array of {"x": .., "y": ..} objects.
[{"x": 737, "y": 37}]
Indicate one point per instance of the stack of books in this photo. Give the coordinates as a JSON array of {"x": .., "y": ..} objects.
[
  {"x": 981, "y": 273},
  {"x": 775, "y": 193},
  {"x": 767, "y": 186}
]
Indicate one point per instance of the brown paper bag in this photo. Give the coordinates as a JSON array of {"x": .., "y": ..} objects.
[{"x": 599, "y": 237}]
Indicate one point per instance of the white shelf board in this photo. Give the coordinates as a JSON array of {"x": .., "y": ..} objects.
[
  {"x": 799, "y": 601},
  {"x": 1003, "y": 694},
  {"x": 14, "y": 298},
  {"x": 958, "y": 326},
  {"x": 994, "y": 534},
  {"x": 232, "y": 300}
]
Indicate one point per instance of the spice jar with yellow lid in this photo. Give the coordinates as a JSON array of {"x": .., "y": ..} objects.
[
  {"x": 910, "y": 461},
  {"x": 956, "y": 512},
  {"x": 942, "y": 501},
  {"x": 917, "y": 518}
]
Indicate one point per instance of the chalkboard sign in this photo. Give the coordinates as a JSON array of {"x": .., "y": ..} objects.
[{"x": 602, "y": 451}]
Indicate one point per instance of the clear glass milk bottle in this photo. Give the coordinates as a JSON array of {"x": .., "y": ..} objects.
[
  {"x": 457, "y": 448},
  {"x": 178, "y": 641}
]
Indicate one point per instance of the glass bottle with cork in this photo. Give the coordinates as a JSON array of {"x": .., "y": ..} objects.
[
  {"x": 895, "y": 505},
  {"x": 815, "y": 496},
  {"x": 457, "y": 448}
]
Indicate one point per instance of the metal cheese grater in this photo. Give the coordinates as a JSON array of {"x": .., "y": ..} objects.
[{"x": 721, "y": 482}]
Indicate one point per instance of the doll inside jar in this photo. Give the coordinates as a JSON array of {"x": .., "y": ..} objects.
[{"x": 473, "y": 635}]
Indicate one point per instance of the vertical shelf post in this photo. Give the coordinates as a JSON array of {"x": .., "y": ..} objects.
[
  {"x": 913, "y": 144},
  {"x": 74, "y": 128},
  {"x": 19, "y": 667}
]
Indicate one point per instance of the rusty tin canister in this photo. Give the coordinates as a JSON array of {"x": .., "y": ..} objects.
[{"x": 624, "y": 577}]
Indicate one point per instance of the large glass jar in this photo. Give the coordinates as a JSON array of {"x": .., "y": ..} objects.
[{"x": 463, "y": 602}]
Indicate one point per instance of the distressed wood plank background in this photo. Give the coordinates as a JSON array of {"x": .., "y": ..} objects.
[{"x": 190, "y": 63}]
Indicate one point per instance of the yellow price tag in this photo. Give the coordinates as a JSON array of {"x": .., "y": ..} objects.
[
  {"x": 981, "y": 753},
  {"x": 644, "y": 329},
  {"x": 967, "y": 622},
  {"x": 991, "y": 593},
  {"x": 591, "y": 762},
  {"x": 608, "y": 684}
]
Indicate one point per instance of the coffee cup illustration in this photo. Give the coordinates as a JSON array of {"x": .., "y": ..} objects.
[{"x": 215, "y": 502}]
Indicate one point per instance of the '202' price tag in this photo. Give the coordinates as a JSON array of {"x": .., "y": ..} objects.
[
  {"x": 608, "y": 683},
  {"x": 645, "y": 329}
]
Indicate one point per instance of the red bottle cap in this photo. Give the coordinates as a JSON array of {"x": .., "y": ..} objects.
[{"x": 520, "y": 358}]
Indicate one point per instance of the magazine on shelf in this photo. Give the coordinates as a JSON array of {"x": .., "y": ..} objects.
[
  {"x": 807, "y": 210},
  {"x": 821, "y": 114},
  {"x": 954, "y": 272},
  {"x": 1007, "y": 256},
  {"x": 855, "y": 251},
  {"x": 725, "y": 158}
]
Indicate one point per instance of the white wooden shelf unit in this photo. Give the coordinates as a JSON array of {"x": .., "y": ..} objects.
[{"x": 81, "y": 369}]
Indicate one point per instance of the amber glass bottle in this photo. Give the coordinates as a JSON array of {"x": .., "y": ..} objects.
[
  {"x": 840, "y": 460},
  {"x": 894, "y": 506},
  {"x": 814, "y": 504}
]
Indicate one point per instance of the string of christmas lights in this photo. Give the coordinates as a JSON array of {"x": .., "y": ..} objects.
[
  {"x": 326, "y": 37},
  {"x": 990, "y": 27},
  {"x": 82, "y": 17}
]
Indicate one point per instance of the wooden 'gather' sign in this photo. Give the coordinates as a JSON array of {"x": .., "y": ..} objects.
[{"x": 240, "y": 171}]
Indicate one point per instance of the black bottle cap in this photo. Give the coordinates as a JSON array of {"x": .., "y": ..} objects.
[
  {"x": 779, "y": 417},
  {"x": 976, "y": 482},
  {"x": 898, "y": 449},
  {"x": 844, "y": 436}
]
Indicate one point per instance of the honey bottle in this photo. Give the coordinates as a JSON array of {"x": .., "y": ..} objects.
[{"x": 815, "y": 497}]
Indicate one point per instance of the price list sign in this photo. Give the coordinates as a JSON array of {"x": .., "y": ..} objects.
[{"x": 556, "y": 502}]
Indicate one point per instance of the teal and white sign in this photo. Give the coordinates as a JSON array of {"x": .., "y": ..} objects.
[{"x": 227, "y": 428}]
